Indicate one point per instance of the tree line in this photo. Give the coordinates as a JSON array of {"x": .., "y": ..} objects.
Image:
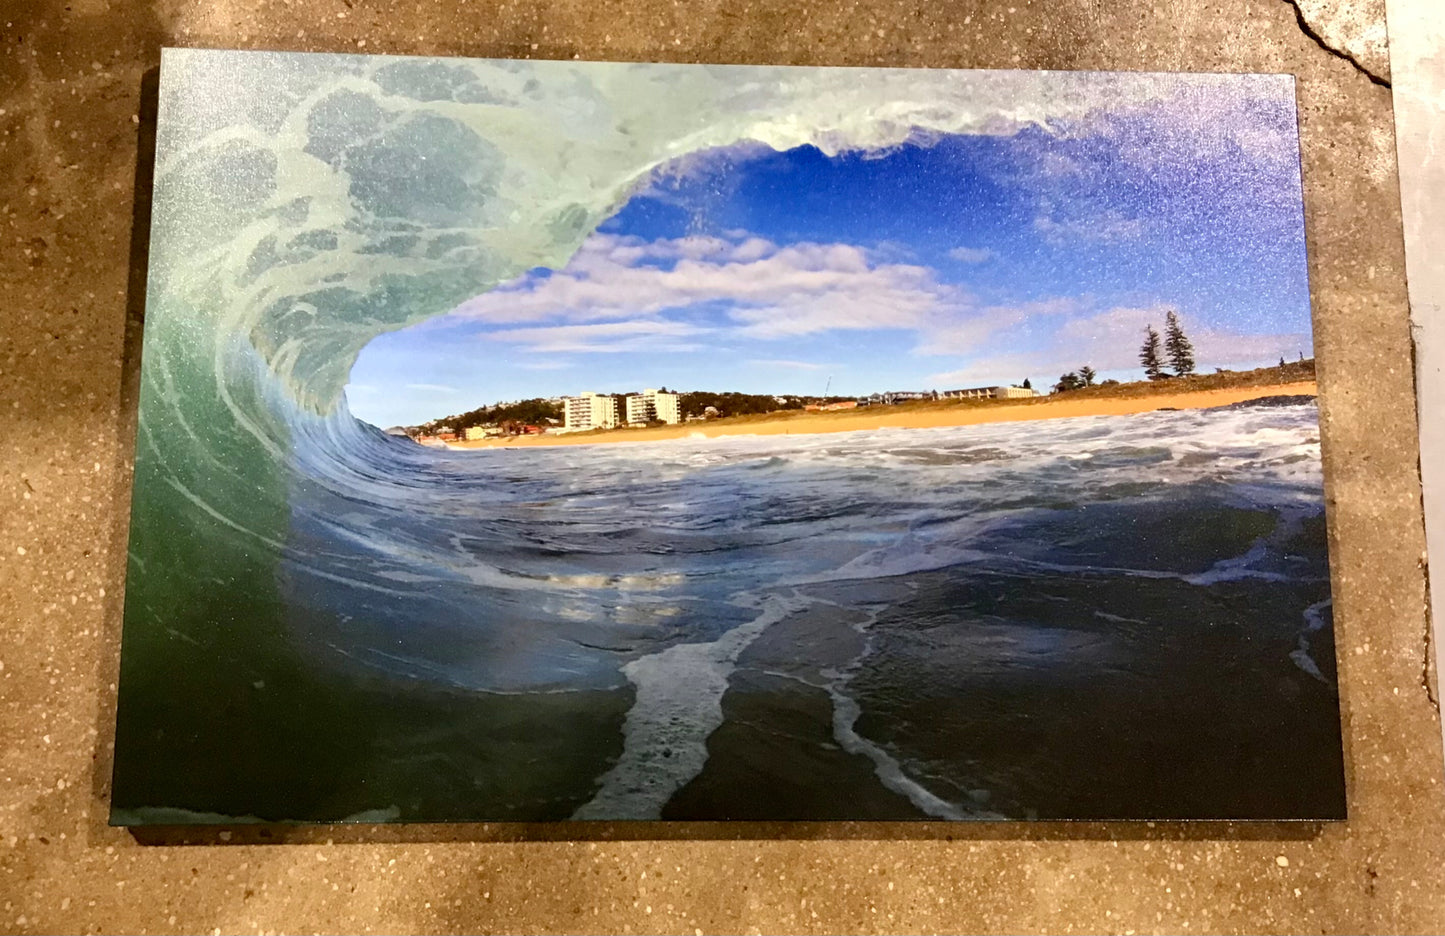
[
  {"x": 1175, "y": 347},
  {"x": 696, "y": 403},
  {"x": 521, "y": 413}
]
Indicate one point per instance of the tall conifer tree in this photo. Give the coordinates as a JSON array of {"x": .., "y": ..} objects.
[
  {"x": 1149, "y": 353},
  {"x": 1177, "y": 346}
]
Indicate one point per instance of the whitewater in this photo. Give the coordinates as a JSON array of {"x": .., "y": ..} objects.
[
  {"x": 653, "y": 568},
  {"x": 323, "y": 622}
]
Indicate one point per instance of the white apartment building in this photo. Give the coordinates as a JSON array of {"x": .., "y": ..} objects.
[
  {"x": 640, "y": 409},
  {"x": 590, "y": 411},
  {"x": 989, "y": 393},
  {"x": 652, "y": 404},
  {"x": 668, "y": 407}
]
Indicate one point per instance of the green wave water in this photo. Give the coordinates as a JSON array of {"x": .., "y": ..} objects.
[{"x": 305, "y": 204}]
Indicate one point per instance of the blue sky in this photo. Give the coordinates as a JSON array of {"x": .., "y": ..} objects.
[{"x": 947, "y": 262}]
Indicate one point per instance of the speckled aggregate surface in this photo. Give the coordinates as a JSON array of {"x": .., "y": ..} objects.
[{"x": 71, "y": 91}]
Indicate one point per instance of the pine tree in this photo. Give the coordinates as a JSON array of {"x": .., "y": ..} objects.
[
  {"x": 1180, "y": 351},
  {"x": 1087, "y": 375},
  {"x": 1149, "y": 353},
  {"x": 1026, "y": 385}
]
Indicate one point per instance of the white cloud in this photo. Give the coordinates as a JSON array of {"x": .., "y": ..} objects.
[
  {"x": 431, "y": 388},
  {"x": 969, "y": 334},
  {"x": 771, "y": 291},
  {"x": 1110, "y": 341},
  {"x": 972, "y": 254},
  {"x": 616, "y": 295},
  {"x": 1105, "y": 227},
  {"x": 605, "y": 337},
  {"x": 786, "y": 365}
]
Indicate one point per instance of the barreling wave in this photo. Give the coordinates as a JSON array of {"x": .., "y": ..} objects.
[{"x": 305, "y": 204}]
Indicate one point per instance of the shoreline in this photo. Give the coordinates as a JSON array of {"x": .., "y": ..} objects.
[{"x": 910, "y": 416}]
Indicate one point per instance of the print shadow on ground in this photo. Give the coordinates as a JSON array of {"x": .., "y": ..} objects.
[
  {"x": 727, "y": 831},
  {"x": 108, "y": 663}
]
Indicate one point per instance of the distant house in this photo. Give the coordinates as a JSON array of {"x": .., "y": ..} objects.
[
  {"x": 473, "y": 433},
  {"x": 990, "y": 393},
  {"x": 896, "y": 396}
]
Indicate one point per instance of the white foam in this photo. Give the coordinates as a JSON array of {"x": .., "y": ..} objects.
[
  {"x": 678, "y": 705},
  {"x": 846, "y": 712},
  {"x": 1314, "y": 622},
  {"x": 1118, "y": 619},
  {"x": 889, "y": 771}
]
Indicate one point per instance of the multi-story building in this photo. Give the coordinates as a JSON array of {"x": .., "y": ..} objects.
[
  {"x": 591, "y": 411},
  {"x": 640, "y": 409},
  {"x": 990, "y": 393},
  {"x": 654, "y": 405},
  {"x": 668, "y": 407}
]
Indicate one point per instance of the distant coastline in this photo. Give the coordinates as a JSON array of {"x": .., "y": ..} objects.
[{"x": 1198, "y": 392}]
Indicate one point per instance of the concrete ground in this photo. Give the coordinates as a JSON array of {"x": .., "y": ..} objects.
[{"x": 72, "y": 74}]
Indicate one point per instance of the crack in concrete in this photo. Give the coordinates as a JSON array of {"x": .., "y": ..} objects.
[
  {"x": 1319, "y": 40},
  {"x": 1425, "y": 663},
  {"x": 1424, "y": 561},
  {"x": 1429, "y": 641}
]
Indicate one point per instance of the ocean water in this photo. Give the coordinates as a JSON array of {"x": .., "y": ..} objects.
[
  {"x": 1095, "y": 617},
  {"x": 1099, "y": 617}
]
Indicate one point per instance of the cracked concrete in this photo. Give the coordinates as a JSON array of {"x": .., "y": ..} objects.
[
  {"x": 1353, "y": 30},
  {"x": 1427, "y": 663},
  {"x": 71, "y": 73}
]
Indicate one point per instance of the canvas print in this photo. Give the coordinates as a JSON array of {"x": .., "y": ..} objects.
[{"x": 562, "y": 440}]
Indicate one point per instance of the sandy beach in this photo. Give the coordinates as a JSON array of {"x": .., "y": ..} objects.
[{"x": 923, "y": 415}]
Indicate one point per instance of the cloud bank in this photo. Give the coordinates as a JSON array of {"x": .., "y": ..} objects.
[
  {"x": 758, "y": 290},
  {"x": 705, "y": 294}
]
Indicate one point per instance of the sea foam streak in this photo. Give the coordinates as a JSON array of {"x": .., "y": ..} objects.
[
  {"x": 679, "y": 703},
  {"x": 846, "y": 712}
]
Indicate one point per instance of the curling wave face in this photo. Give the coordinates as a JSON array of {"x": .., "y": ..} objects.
[
  {"x": 286, "y": 559},
  {"x": 306, "y": 203}
]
